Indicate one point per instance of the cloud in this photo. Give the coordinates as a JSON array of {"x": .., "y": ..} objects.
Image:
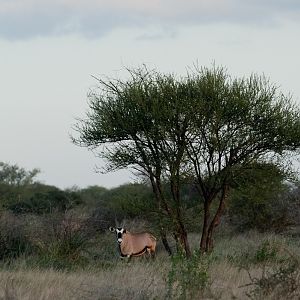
[{"x": 21, "y": 19}]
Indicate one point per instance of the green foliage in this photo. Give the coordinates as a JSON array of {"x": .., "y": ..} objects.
[
  {"x": 260, "y": 200},
  {"x": 46, "y": 202},
  {"x": 13, "y": 237},
  {"x": 15, "y": 176},
  {"x": 206, "y": 126},
  {"x": 92, "y": 195},
  {"x": 62, "y": 242},
  {"x": 20, "y": 193},
  {"x": 266, "y": 252},
  {"x": 130, "y": 200},
  {"x": 282, "y": 282},
  {"x": 188, "y": 278}
]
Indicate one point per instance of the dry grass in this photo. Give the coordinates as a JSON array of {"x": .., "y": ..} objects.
[
  {"x": 37, "y": 285},
  {"x": 125, "y": 281},
  {"x": 134, "y": 280},
  {"x": 143, "y": 279},
  {"x": 227, "y": 280}
]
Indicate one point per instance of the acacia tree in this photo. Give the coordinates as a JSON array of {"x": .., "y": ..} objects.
[
  {"x": 142, "y": 123},
  {"x": 15, "y": 176},
  {"x": 238, "y": 123},
  {"x": 205, "y": 127}
]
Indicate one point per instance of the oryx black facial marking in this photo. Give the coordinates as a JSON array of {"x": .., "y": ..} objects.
[{"x": 119, "y": 232}]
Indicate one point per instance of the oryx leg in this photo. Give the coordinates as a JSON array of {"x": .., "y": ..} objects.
[
  {"x": 150, "y": 252},
  {"x": 128, "y": 257}
]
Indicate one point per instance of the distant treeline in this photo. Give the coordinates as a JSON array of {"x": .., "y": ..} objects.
[
  {"x": 262, "y": 199},
  {"x": 66, "y": 228}
]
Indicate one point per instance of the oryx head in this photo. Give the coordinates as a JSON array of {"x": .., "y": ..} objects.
[{"x": 119, "y": 232}]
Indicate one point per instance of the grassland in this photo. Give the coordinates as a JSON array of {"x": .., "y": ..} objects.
[{"x": 249, "y": 266}]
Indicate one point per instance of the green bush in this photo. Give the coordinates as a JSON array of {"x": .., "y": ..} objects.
[
  {"x": 14, "y": 240},
  {"x": 53, "y": 200},
  {"x": 266, "y": 252},
  {"x": 188, "y": 278},
  {"x": 62, "y": 242},
  {"x": 281, "y": 282},
  {"x": 128, "y": 201},
  {"x": 260, "y": 200}
]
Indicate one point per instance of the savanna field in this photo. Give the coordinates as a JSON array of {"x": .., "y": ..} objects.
[
  {"x": 215, "y": 158},
  {"x": 56, "y": 244},
  {"x": 69, "y": 253},
  {"x": 168, "y": 137},
  {"x": 247, "y": 266}
]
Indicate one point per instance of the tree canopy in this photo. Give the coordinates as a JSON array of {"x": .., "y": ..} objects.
[
  {"x": 15, "y": 175},
  {"x": 205, "y": 128}
]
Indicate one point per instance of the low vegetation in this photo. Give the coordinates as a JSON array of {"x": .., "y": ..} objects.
[
  {"x": 248, "y": 266},
  {"x": 208, "y": 150},
  {"x": 61, "y": 248}
]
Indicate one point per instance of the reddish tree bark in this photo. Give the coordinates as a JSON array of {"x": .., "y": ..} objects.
[{"x": 206, "y": 243}]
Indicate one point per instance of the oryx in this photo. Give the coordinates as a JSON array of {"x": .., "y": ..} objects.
[{"x": 134, "y": 244}]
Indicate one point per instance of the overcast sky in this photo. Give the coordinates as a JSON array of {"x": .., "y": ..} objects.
[{"x": 50, "y": 49}]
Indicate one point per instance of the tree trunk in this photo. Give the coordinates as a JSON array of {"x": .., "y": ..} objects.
[
  {"x": 177, "y": 243},
  {"x": 205, "y": 226},
  {"x": 174, "y": 216},
  {"x": 217, "y": 219},
  {"x": 165, "y": 242},
  {"x": 183, "y": 238},
  {"x": 185, "y": 243}
]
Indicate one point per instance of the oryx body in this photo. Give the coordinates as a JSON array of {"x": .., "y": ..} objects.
[{"x": 134, "y": 244}]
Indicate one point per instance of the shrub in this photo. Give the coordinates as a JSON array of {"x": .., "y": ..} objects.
[
  {"x": 53, "y": 200},
  {"x": 188, "y": 278},
  {"x": 62, "y": 242},
  {"x": 282, "y": 282},
  {"x": 14, "y": 240},
  {"x": 263, "y": 201},
  {"x": 266, "y": 252}
]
